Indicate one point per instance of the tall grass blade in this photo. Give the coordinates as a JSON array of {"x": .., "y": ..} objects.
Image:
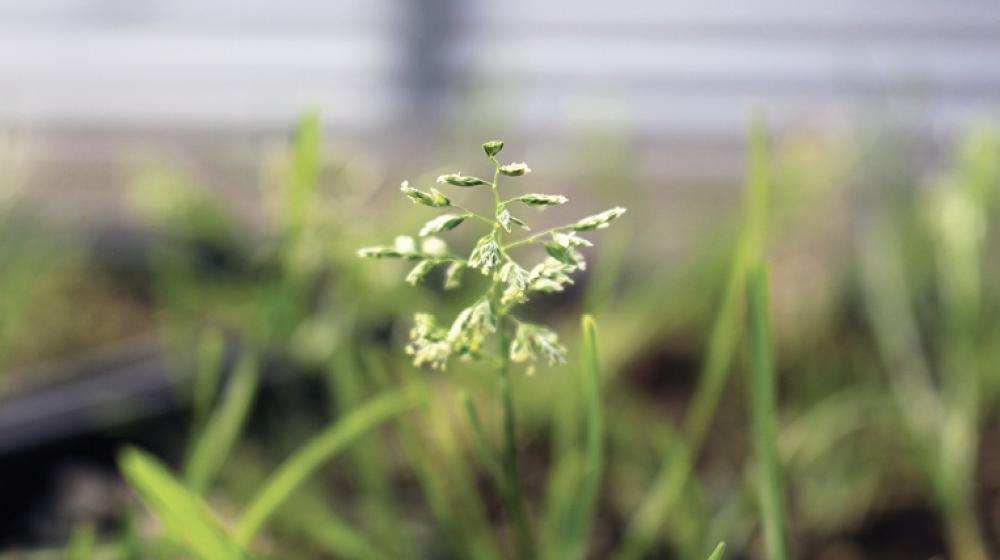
[
  {"x": 224, "y": 426},
  {"x": 313, "y": 522},
  {"x": 209, "y": 355},
  {"x": 367, "y": 457},
  {"x": 719, "y": 552},
  {"x": 82, "y": 543},
  {"x": 514, "y": 499},
  {"x": 447, "y": 486},
  {"x": 763, "y": 408},
  {"x": 727, "y": 331},
  {"x": 305, "y": 170},
  {"x": 589, "y": 488},
  {"x": 185, "y": 517},
  {"x": 304, "y": 462},
  {"x": 486, "y": 455}
]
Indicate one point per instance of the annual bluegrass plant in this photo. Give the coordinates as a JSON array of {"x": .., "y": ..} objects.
[
  {"x": 491, "y": 314},
  {"x": 512, "y": 284}
]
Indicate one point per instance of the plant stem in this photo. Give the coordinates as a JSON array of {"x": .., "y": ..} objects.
[
  {"x": 474, "y": 215},
  {"x": 535, "y": 237},
  {"x": 763, "y": 408},
  {"x": 508, "y": 461}
]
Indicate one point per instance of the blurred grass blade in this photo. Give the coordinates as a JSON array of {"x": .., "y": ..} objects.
[
  {"x": 305, "y": 170},
  {"x": 486, "y": 455},
  {"x": 726, "y": 333},
  {"x": 344, "y": 380},
  {"x": 82, "y": 543},
  {"x": 763, "y": 408},
  {"x": 582, "y": 516},
  {"x": 224, "y": 426},
  {"x": 440, "y": 468},
  {"x": 719, "y": 552},
  {"x": 886, "y": 295},
  {"x": 185, "y": 517},
  {"x": 209, "y": 357},
  {"x": 314, "y": 523},
  {"x": 304, "y": 462}
]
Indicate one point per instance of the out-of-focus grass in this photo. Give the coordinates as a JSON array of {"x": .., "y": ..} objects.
[{"x": 884, "y": 318}]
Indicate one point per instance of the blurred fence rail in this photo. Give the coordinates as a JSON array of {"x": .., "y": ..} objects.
[{"x": 670, "y": 74}]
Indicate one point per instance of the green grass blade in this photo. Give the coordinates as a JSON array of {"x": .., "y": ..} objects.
[
  {"x": 719, "y": 552},
  {"x": 185, "y": 517},
  {"x": 82, "y": 543},
  {"x": 304, "y": 462},
  {"x": 209, "y": 356},
  {"x": 515, "y": 502},
  {"x": 311, "y": 521},
  {"x": 367, "y": 457},
  {"x": 486, "y": 456},
  {"x": 583, "y": 513},
  {"x": 446, "y": 483},
  {"x": 763, "y": 408},
  {"x": 727, "y": 331},
  {"x": 224, "y": 426},
  {"x": 305, "y": 170}
]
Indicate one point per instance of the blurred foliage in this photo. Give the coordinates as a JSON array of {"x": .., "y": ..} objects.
[{"x": 886, "y": 326}]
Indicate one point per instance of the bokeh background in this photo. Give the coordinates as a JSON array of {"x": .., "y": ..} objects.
[{"x": 151, "y": 236}]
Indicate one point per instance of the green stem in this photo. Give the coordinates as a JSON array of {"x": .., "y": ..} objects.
[
  {"x": 474, "y": 215},
  {"x": 763, "y": 412},
  {"x": 508, "y": 461},
  {"x": 310, "y": 457},
  {"x": 535, "y": 237}
]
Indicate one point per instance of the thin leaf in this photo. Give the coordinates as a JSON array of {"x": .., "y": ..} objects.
[
  {"x": 224, "y": 426},
  {"x": 184, "y": 516},
  {"x": 719, "y": 552},
  {"x": 589, "y": 488},
  {"x": 727, "y": 330},
  {"x": 763, "y": 408},
  {"x": 83, "y": 542},
  {"x": 306, "y": 162},
  {"x": 209, "y": 355},
  {"x": 310, "y": 457}
]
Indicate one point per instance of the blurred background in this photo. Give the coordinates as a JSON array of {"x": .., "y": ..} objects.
[{"x": 183, "y": 184}]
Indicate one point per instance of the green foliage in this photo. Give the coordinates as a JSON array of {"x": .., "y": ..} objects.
[
  {"x": 491, "y": 315},
  {"x": 301, "y": 465},
  {"x": 763, "y": 408},
  {"x": 186, "y": 519},
  {"x": 572, "y": 540},
  {"x": 223, "y": 426},
  {"x": 727, "y": 331},
  {"x": 82, "y": 543}
]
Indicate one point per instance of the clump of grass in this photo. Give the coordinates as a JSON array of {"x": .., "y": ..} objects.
[{"x": 491, "y": 314}]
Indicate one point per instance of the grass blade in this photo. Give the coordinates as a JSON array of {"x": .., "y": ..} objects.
[
  {"x": 304, "y": 462},
  {"x": 589, "y": 489},
  {"x": 209, "y": 356},
  {"x": 224, "y": 426},
  {"x": 514, "y": 499},
  {"x": 367, "y": 458},
  {"x": 82, "y": 543},
  {"x": 184, "y": 516},
  {"x": 305, "y": 171},
  {"x": 719, "y": 552},
  {"x": 727, "y": 330},
  {"x": 486, "y": 455},
  {"x": 441, "y": 470},
  {"x": 763, "y": 409}
]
